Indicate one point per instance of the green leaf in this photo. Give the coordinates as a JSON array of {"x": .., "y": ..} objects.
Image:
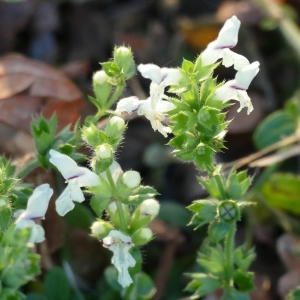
[
  {"x": 139, "y": 194},
  {"x": 294, "y": 295},
  {"x": 283, "y": 191},
  {"x": 208, "y": 283},
  {"x": 237, "y": 184},
  {"x": 243, "y": 258},
  {"x": 213, "y": 261},
  {"x": 5, "y": 218},
  {"x": 56, "y": 285},
  {"x": 205, "y": 210},
  {"x": 203, "y": 73},
  {"x": 99, "y": 204},
  {"x": 218, "y": 230},
  {"x": 274, "y": 128},
  {"x": 243, "y": 280},
  {"x": 33, "y": 296}
]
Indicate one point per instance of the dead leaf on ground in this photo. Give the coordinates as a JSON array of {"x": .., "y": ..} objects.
[{"x": 18, "y": 73}]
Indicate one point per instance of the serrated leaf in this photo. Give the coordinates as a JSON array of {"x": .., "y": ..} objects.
[{"x": 242, "y": 258}]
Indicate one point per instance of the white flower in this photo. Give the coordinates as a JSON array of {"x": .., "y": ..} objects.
[
  {"x": 76, "y": 177},
  {"x": 120, "y": 244},
  {"x": 36, "y": 209},
  {"x": 236, "y": 89},
  {"x": 144, "y": 107},
  {"x": 150, "y": 208},
  {"x": 220, "y": 48},
  {"x": 161, "y": 78}
]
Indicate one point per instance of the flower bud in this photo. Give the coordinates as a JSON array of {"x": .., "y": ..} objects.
[
  {"x": 104, "y": 151},
  {"x": 91, "y": 135},
  {"x": 124, "y": 60},
  {"x": 228, "y": 211},
  {"x": 100, "y": 77},
  {"x": 3, "y": 202},
  {"x": 142, "y": 236},
  {"x": 102, "y": 88},
  {"x": 150, "y": 208},
  {"x": 115, "y": 127},
  {"x": 100, "y": 229},
  {"x": 132, "y": 179}
]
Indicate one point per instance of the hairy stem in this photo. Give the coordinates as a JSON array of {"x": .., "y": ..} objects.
[{"x": 118, "y": 202}]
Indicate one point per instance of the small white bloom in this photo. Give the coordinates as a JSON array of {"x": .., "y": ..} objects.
[
  {"x": 104, "y": 151},
  {"x": 236, "y": 89},
  {"x": 220, "y": 48},
  {"x": 150, "y": 208},
  {"x": 161, "y": 78},
  {"x": 120, "y": 244},
  {"x": 76, "y": 177},
  {"x": 132, "y": 179},
  {"x": 144, "y": 107},
  {"x": 37, "y": 206}
]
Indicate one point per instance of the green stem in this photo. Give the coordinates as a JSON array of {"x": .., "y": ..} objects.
[
  {"x": 30, "y": 167},
  {"x": 118, "y": 202},
  {"x": 229, "y": 248},
  {"x": 115, "y": 96}
]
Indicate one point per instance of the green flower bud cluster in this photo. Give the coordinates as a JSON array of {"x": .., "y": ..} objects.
[
  {"x": 122, "y": 67},
  {"x": 198, "y": 121},
  {"x": 104, "y": 142}
]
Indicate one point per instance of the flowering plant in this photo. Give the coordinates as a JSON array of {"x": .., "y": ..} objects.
[{"x": 195, "y": 105}]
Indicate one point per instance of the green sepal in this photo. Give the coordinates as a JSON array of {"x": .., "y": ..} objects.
[
  {"x": 124, "y": 60},
  {"x": 138, "y": 195},
  {"x": 203, "y": 73},
  {"x": 217, "y": 230},
  {"x": 93, "y": 136},
  {"x": 111, "y": 69},
  {"x": 100, "y": 165},
  {"x": 103, "y": 190},
  {"x": 138, "y": 220},
  {"x": 191, "y": 97},
  {"x": 210, "y": 185},
  {"x": 102, "y": 92},
  {"x": 187, "y": 66}
]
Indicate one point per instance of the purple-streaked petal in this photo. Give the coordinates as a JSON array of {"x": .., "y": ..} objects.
[
  {"x": 171, "y": 76},
  {"x": 129, "y": 104},
  {"x": 226, "y": 92}
]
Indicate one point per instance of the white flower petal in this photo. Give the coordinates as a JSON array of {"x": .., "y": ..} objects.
[
  {"x": 88, "y": 178},
  {"x": 120, "y": 244},
  {"x": 128, "y": 104},
  {"x": 164, "y": 106},
  {"x": 231, "y": 58},
  {"x": 171, "y": 76},
  {"x": 38, "y": 202},
  {"x": 226, "y": 92},
  {"x": 245, "y": 101},
  {"x": 244, "y": 76},
  {"x": 65, "y": 164},
  {"x": 156, "y": 93},
  {"x": 210, "y": 55},
  {"x": 64, "y": 203},
  {"x": 39, "y": 234},
  {"x": 228, "y": 35},
  {"x": 151, "y": 71}
]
